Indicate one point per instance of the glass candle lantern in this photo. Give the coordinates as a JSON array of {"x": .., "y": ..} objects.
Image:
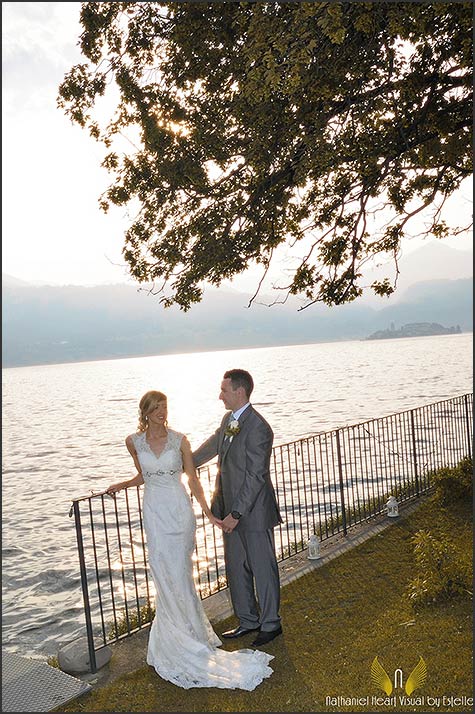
[
  {"x": 392, "y": 507},
  {"x": 313, "y": 548}
]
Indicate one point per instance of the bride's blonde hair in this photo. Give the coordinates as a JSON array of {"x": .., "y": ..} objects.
[{"x": 147, "y": 404}]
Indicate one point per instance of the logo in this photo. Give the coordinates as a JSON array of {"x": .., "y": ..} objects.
[
  {"x": 381, "y": 679},
  {"x": 416, "y": 679}
]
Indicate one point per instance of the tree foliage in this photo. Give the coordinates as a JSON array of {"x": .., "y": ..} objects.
[{"x": 252, "y": 124}]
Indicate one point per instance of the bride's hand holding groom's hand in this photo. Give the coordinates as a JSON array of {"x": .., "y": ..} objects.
[
  {"x": 215, "y": 521},
  {"x": 228, "y": 524}
]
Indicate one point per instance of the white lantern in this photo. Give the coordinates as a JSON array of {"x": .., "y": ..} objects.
[
  {"x": 313, "y": 548},
  {"x": 392, "y": 507}
]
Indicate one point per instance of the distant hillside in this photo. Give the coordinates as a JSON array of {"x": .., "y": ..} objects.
[
  {"x": 433, "y": 301},
  {"x": 43, "y": 324},
  {"x": 435, "y": 260}
]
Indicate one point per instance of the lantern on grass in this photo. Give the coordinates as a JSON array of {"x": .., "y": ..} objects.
[
  {"x": 313, "y": 548},
  {"x": 392, "y": 507}
]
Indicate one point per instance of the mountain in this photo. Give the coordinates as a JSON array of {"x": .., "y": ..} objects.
[
  {"x": 433, "y": 301},
  {"x": 11, "y": 282},
  {"x": 44, "y": 324},
  {"x": 8, "y": 281},
  {"x": 433, "y": 261}
]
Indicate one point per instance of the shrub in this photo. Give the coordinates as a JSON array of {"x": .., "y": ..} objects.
[
  {"x": 454, "y": 484},
  {"x": 443, "y": 571}
]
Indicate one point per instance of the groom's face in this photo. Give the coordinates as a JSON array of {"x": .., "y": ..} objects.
[{"x": 231, "y": 398}]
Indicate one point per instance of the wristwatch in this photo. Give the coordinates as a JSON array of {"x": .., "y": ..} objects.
[{"x": 236, "y": 515}]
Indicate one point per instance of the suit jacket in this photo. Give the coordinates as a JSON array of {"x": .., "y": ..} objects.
[{"x": 243, "y": 483}]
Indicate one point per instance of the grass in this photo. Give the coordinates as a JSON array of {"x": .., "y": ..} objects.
[
  {"x": 132, "y": 621},
  {"x": 336, "y": 619}
]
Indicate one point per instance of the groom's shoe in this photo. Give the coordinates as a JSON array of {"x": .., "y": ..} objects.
[
  {"x": 264, "y": 637},
  {"x": 238, "y": 632}
]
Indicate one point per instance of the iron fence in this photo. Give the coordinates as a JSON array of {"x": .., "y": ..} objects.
[{"x": 325, "y": 484}]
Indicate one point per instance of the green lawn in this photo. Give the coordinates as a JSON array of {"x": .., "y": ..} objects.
[{"x": 336, "y": 619}]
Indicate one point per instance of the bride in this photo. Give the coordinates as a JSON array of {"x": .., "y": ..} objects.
[{"x": 182, "y": 645}]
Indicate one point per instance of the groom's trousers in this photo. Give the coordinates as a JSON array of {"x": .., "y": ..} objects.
[{"x": 250, "y": 557}]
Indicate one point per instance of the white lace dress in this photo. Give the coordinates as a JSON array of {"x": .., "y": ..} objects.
[{"x": 182, "y": 645}]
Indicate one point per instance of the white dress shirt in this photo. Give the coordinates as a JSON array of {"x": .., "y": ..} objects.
[{"x": 238, "y": 412}]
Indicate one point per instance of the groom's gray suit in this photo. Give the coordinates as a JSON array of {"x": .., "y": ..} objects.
[{"x": 243, "y": 484}]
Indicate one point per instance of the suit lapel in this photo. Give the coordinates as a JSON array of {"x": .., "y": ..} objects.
[
  {"x": 246, "y": 414},
  {"x": 223, "y": 442},
  {"x": 225, "y": 448}
]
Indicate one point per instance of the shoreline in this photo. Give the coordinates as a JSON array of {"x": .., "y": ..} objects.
[{"x": 117, "y": 358}]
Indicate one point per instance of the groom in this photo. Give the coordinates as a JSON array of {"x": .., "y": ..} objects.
[{"x": 245, "y": 500}]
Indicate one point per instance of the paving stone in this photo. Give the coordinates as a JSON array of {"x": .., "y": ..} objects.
[{"x": 74, "y": 657}]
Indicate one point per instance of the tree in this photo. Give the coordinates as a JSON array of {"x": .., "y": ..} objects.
[{"x": 254, "y": 124}]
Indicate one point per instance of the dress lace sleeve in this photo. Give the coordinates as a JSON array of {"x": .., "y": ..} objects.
[
  {"x": 175, "y": 438},
  {"x": 136, "y": 441}
]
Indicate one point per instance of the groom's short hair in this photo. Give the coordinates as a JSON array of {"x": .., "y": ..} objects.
[{"x": 240, "y": 378}]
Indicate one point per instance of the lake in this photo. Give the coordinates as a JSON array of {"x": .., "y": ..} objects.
[{"x": 64, "y": 428}]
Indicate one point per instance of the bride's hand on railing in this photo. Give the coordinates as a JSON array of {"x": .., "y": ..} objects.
[{"x": 115, "y": 487}]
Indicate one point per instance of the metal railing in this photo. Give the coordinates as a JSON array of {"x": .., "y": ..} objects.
[{"x": 325, "y": 484}]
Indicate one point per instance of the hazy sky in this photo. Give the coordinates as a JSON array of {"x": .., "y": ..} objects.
[{"x": 53, "y": 229}]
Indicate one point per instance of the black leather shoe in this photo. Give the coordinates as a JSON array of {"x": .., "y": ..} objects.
[
  {"x": 264, "y": 637},
  {"x": 238, "y": 632}
]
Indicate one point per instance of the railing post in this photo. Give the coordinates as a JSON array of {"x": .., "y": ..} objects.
[
  {"x": 414, "y": 452},
  {"x": 467, "y": 424},
  {"x": 85, "y": 592},
  {"x": 340, "y": 473}
]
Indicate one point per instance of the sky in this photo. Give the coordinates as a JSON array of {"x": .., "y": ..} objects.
[{"x": 53, "y": 229}]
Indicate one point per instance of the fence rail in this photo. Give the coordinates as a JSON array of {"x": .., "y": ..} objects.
[{"x": 325, "y": 484}]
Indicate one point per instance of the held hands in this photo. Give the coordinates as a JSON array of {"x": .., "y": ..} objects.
[
  {"x": 229, "y": 523},
  {"x": 211, "y": 517},
  {"x": 215, "y": 521}
]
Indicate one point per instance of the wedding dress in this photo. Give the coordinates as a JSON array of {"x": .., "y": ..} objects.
[{"x": 182, "y": 644}]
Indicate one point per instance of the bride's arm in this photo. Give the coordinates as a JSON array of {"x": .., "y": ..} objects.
[
  {"x": 195, "y": 484},
  {"x": 136, "y": 480}
]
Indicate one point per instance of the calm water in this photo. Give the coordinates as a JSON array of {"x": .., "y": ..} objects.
[{"x": 64, "y": 428}]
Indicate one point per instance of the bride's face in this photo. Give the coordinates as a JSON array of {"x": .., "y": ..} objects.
[{"x": 158, "y": 415}]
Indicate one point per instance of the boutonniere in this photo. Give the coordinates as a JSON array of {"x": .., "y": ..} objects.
[{"x": 232, "y": 428}]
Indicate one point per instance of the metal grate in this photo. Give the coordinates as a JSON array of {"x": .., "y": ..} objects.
[{"x": 32, "y": 686}]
